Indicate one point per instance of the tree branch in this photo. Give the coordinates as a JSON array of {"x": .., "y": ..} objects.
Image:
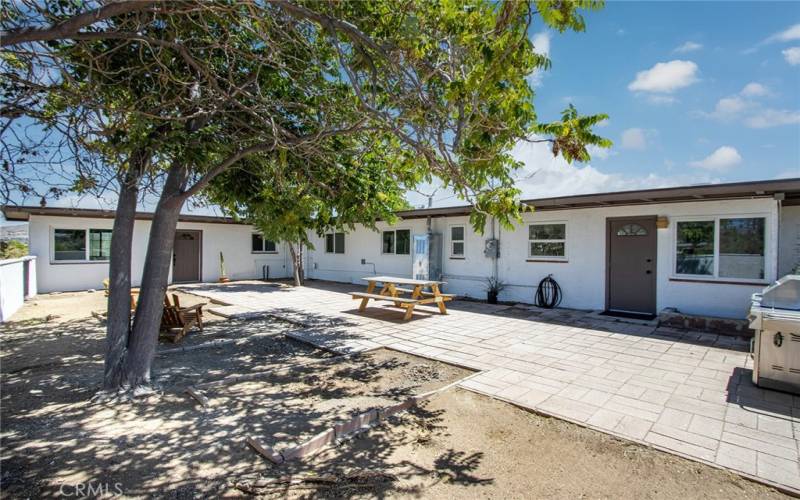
[{"x": 67, "y": 29}]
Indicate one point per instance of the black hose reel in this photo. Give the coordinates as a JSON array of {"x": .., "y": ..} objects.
[{"x": 548, "y": 293}]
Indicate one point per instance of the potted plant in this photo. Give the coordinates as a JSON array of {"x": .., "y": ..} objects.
[
  {"x": 493, "y": 288},
  {"x": 222, "y": 277}
]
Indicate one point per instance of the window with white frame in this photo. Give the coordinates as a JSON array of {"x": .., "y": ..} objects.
[
  {"x": 721, "y": 247},
  {"x": 334, "y": 243},
  {"x": 260, "y": 245},
  {"x": 397, "y": 242},
  {"x": 457, "y": 241},
  {"x": 547, "y": 241},
  {"x": 81, "y": 245}
]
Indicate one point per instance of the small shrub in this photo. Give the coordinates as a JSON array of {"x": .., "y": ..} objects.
[{"x": 13, "y": 249}]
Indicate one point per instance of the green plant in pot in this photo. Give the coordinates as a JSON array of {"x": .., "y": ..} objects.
[{"x": 493, "y": 288}]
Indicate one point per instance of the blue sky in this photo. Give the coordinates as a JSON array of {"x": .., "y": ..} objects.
[{"x": 697, "y": 92}]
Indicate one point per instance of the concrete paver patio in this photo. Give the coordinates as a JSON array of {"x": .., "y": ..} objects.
[{"x": 688, "y": 393}]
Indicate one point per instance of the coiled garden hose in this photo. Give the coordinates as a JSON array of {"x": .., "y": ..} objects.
[{"x": 548, "y": 293}]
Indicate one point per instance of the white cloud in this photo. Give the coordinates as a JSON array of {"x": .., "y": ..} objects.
[
  {"x": 720, "y": 160},
  {"x": 665, "y": 77},
  {"x": 544, "y": 175},
  {"x": 600, "y": 153},
  {"x": 754, "y": 89},
  {"x": 751, "y": 112},
  {"x": 766, "y": 118},
  {"x": 634, "y": 138},
  {"x": 787, "y": 35},
  {"x": 688, "y": 47},
  {"x": 541, "y": 45},
  {"x": 792, "y": 55},
  {"x": 731, "y": 105},
  {"x": 729, "y": 108}
]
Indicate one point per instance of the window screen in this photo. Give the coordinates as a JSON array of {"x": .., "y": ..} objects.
[
  {"x": 388, "y": 242},
  {"x": 741, "y": 248},
  {"x": 695, "y": 248},
  {"x": 258, "y": 243},
  {"x": 339, "y": 242},
  {"x": 547, "y": 240},
  {"x": 457, "y": 241},
  {"x": 99, "y": 244},
  {"x": 329, "y": 243},
  {"x": 403, "y": 242}
]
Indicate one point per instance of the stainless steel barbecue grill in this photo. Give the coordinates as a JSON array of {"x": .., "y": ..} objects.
[{"x": 775, "y": 317}]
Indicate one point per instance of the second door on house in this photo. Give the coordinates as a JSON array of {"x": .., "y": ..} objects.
[
  {"x": 631, "y": 265},
  {"x": 186, "y": 256}
]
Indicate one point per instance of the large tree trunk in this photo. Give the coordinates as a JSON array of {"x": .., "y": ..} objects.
[
  {"x": 143, "y": 339},
  {"x": 301, "y": 272},
  {"x": 119, "y": 273},
  {"x": 297, "y": 265}
]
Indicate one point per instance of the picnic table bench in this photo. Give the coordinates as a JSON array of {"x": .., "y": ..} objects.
[{"x": 391, "y": 292}]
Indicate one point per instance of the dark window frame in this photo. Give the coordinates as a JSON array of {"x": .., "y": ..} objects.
[
  {"x": 394, "y": 241},
  {"x": 264, "y": 243},
  {"x": 335, "y": 243}
]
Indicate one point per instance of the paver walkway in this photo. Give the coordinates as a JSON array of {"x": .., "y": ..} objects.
[{"x": 688, "y": 393}]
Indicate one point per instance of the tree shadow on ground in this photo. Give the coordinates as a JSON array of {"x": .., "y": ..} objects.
[
  {"x": 371, "y": 455},
  {"x": 165, "y": 444}
]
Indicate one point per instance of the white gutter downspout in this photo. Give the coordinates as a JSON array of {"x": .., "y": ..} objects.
[
  {"x": 497, "y": 251},
  {"x": 779, "y": 197}
]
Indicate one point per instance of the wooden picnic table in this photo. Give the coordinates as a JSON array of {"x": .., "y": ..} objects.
[{"x": 390, "y": 291}]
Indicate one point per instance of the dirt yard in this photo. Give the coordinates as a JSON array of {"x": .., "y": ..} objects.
[
  {"x": 286, "y": 408},
  {"x": 69, "y": 306},
  {"x": 466, "y": 445},
  {"x": 458, "y": 445}
]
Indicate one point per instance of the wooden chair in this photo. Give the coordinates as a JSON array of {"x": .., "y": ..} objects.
[
  {"x": 134, "y": 293},
  {"x": 177, "y": 321}
]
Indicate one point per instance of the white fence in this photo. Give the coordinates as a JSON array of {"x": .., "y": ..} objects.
[{"x": 17, "y": 283}]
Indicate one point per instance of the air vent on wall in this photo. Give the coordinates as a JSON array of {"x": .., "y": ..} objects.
[{"x": 777, "y": 367}]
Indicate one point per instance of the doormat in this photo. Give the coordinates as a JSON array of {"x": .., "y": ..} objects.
[{"x": 629, "y": 315}]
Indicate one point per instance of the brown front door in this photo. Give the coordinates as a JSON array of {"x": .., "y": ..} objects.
[
  {"x": 186, "y": 256},
  {"x": 631, "y": 283}
]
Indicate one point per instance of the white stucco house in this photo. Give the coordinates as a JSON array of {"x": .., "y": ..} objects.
[{"x": 700, "y": 249}]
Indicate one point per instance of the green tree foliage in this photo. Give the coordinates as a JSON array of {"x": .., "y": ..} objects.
[
  {"x": 13, "y": 249},
  {"x": 205, "y": 83},
  {"x": 194, "y": 90},
  {"x": 356, "y": 179}
]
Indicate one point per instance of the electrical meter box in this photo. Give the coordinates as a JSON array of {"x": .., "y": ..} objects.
[{"x": 492, "y": 248}]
